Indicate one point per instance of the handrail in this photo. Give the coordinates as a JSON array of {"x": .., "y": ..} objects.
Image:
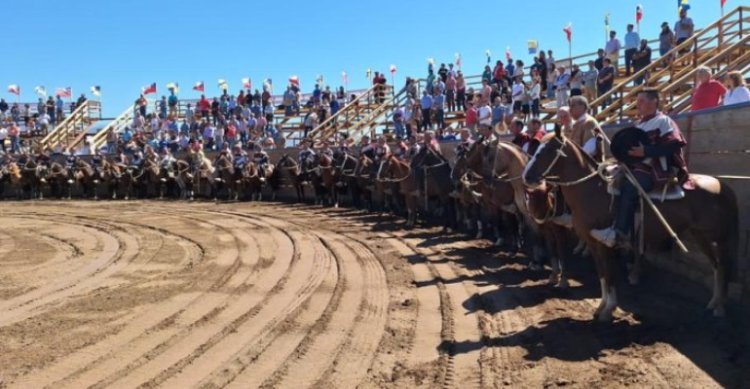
[
  {"x": 377, "y": 113},
  {"x": 68, "y": 125},
  {"x": 98, "y": 139},
  {"x": 374, "y": 90}
]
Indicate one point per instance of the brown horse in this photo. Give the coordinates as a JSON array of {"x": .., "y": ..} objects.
[
  {"x": 110, "y": 175},
  {"x": 329, "y": 176},
  {"x": 184, "y": 179},
  {"x": 395, "y": 171},
  {"x": 225, "y": 178},
  {"x": 59, "y": 181},
  {"x": 252, "y": 181},
  {"x": 288, "y": 172},
  {"x": 709, "y": 213},
  {"x": 85, "y": 175}
]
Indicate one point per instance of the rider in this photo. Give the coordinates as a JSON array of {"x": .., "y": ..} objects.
[
  {"x": 464, "y": 144},
  {"x": 382, "y": 150},
  {"x": 167, "y": 159},
  {"x": 583, "y": 128},
  {"x": 306, "y": 154},
  {"x": 414, "y": 147},
  {"x": 326, "y": 149},
  {"x": 343, "y": 147},
  {"x": 239, "y": 156},
  {"x": 662, "y": 153},
  {"x": 431, "y": 143},
  {"x": 137, "y": 160},
  {"x": 535, "y": 134},
  {"x": 260, "y": 158},
  {"x": 366, "y": 148},
  {"x": 97, "y": 160},
  {"x": 520, "y": 138},
  {"x": 43, "y": 158}
]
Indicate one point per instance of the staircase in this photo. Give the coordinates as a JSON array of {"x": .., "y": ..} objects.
[
  {"x": 117, "y": 125},
  {"x": 357, "y": 113},
  {"x": 68, "y": 132}
]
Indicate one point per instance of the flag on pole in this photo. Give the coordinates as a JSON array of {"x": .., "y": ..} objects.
[
  {"x": 149, "y": 89},
  {"x": 683, "y": 5},
  {"x": 319, "y": 79},
  {"x": 199, "y": 86},
  {"x": 223, "y": 84},
  {"x": 508, "y": 54},
  {"x": 723, "y": 3},
  {"x": 638, "y": 14},
  {"x": 344, "y": 78},
  {"x": 294, "y": 80},
  {"x": 174, "y": 87},
  {"x": 268, "y": 84},
  {"x": 64, "y": 92},
  {"x": 431, "y": 61},
  {"x": 458, "y": 60},
  {"x": 247, "y": 83},
  {"x": 488, "y": 53},
  {"x": 606, "y": 23},
  {"x": 96, "y": 90},
  {"x": 14, "y": 89},
  {"x": 393, "y": 70},
  {"x": 533, "y": 46},
  {"x": 568, "y": 30},
  {"x": 369, "y": 73},
  {"x": 41, "y": 91}
]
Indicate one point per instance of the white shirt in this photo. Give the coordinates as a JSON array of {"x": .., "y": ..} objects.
[
  {"x": 737, "y": 95},
  {"x": 613, "y": 46},
  {"x": 485, "y": 115},
  {"x": 518, "y": 90},
  {"x": 3, "y": 133}
]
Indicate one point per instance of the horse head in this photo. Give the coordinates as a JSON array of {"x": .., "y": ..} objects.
[{"x": 556, "y": 157}]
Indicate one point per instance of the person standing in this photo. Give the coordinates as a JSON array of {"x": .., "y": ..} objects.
[
  {"x": 708, "y": 93},
  {"x": 666, "y": 41},
  {"x": 606, "y": 80},
  {"x": 562, "y": 86},
  {"x": 589, "y": 81},
  {"x": 632, "y": 42},
  {"x": 683, "y": 28},
  {"x": 641, "y": 59},
  {"x": 426, "y": 104},
  {"x": 612, "y": 50}
]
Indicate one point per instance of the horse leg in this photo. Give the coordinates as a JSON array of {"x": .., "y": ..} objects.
[
  {"x": 718, "y": 256},
  {"x": 560, "y": 235}
]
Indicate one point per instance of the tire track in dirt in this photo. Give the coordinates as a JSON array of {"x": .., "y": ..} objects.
[{"x": 207, "y": 298}]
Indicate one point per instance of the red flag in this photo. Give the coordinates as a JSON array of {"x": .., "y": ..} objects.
[
  {"x": 14, "y": 89},
  {"x": 294, "y": 80},
  {"x": 568, "y": 30},
  {"x": 508, "y": 55},
  {"x": 199, "y": 86},
  {"x": 247, "y": 83},
  {"x": 64, "y": 92},
  {"x": 344, "y": 78},
  {"x": 723, "y": 3},
  {"x": 638, "y": 14},
  {"x": 149, "y": 89},
  {"x": 393, "y": 69}
]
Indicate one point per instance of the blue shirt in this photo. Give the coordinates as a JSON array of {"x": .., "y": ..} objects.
[
  {"x": 498, "y": 113},
  {"x": 426, "y": 102},
  {"x": 127, "y": 135},
  {"x": 632, "y": 40},
  {"x": 438, "y": 101}
]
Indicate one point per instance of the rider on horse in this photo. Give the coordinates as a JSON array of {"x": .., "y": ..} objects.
[
  {"x": 656, "y": 161},
  {"x": 167, "y": 159},
  {"x": 306, "y": 155},
  {"x": 43, "y": 157},
  {"x": 465, "y": 143},
  {"x": 97, "y": 160},
  {"x": 239, "y": 157}
]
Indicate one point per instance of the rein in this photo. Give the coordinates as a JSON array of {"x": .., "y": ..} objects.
[{"x": 561, "y": 154}]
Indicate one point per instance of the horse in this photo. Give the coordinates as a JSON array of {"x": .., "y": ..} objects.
[
  {"x": 709, "y": 213},
  {"x": 150, "y": 178},
  {"x": 30, "y": 183},
  {"x": 110, "y": 175},
  {"x": 225, "y": 178},
  {"x": 327, "y": 178},
  {"x": 287, "y": 170},
  {"x": 60, "y": 181},
  {"x": 203, "y": 177},
  {"x": 466, "y": 199},
  {"x": 346, "y": 166},
  {"x": 184, "y": 179},
  {"x": 433, "y": 173},
  {"x": 85, "y": 175},
  {"x": 395, "y": 171},
  {"x": 252, "y": 181}
]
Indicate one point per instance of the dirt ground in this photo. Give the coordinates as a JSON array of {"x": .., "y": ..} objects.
[{"x": 176, "y": 295}]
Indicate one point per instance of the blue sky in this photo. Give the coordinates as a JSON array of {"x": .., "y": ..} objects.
[{"x": 124, "y": 45}]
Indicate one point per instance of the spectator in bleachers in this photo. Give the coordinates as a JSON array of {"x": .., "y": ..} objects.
[
  {"x": 163, "y": 107},
  {"x": 683, "y": 28},
  {"x": 485, "y": 92},
  {"x": 606, "y": 79},
  {"x": 666, "y": 40},
  {"x": 443, "y": 72},
  {"x": 50, "y": 107},
  {"x": 612, "y": 50},
  {"x": 708, "y": 93},
  {"x": 15, "y": 113},
  {"x": 641, "y": 59},
  {"x": 599, "y": 61},
  {"x": 59, "y": 109},
  {"x": 737, "y": 92},
  {"x": 487, "y": 74},
  {"x": 204, "y": 106},
  {"x": 438, "y": 109},
  {"x": 14, "y": 135},
  {"x": 632, "y": 42},
  {"x": 471, "y": 117},
  {"x": 142, "y": 105},
  {"x": 576, "y": 81},
  {"x": 81, "y": 100},
  {"x": 3, "y": 137},
  {"x": 517, "y": 94},
  {"x": 562, "y": 85},
  {"x": 40, "y": 106},
  {"x": 589, "y": 81},
  {"x": 172, "y": 103},
  {"x": 426, "y": 105},
  {"x": 499, "y": 110},
  {"x": 551, "y": 78},
  {"x": 450, "y": 92},
  {"x": 498, "y": 74},
  {"x": 3, "y": 107},
  {"x": 460, "y": 91}
]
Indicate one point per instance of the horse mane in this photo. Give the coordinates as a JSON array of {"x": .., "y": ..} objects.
[{"x": 579, "y": 150}]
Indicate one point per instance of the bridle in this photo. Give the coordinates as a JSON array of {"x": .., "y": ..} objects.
[
  {"x": 380, "y": 169},
  {"x": 559, "y": 153}
]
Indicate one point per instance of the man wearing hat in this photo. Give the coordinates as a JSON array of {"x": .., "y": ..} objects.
[
  {"x": 382, "y": 150},
  {"x": 365, "y": 148},
  {"x": 239, "y": 156},
  {"x": 167, "y": 159},
  {"x": 260, "y": 158}
]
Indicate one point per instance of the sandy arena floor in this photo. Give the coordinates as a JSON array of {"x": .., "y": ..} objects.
[{"x": 177, "y": 295}]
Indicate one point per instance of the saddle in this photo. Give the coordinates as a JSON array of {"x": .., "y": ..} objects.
[{"x": 669, "y": 191}]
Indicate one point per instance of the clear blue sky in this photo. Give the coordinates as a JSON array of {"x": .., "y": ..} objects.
[{"x": 124, "y": 45}]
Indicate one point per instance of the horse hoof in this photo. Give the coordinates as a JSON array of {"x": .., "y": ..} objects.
[
  {"x": 553, "y": 280},
  {"x": 499, "y": 242},
  {"x": 563, "y": 284}
]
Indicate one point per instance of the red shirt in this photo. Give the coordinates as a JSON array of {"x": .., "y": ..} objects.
[
  {"x": 708, "y": 95},
  {"x": 204, "y": 105},
  {"x": 471, "y": 116}
]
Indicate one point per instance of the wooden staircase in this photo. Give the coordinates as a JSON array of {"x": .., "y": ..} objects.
[
  {"x": 117, "y": 125},
  {"x": 356, "y": 114},
  {"x": 71, "y": 130}
]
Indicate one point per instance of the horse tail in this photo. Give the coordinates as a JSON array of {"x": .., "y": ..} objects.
[{"x": 731, "y": 241}]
